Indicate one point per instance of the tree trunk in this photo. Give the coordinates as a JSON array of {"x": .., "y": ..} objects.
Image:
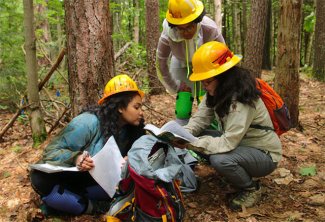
[
  {"x": 136, "y": 22},
  {"x": 319, "y": 51},
  {"x": 152, "y": 37},
  {"x": 275, "y": 16},
  {"x": 36, "y": 118},
  {"x": 45, "y": 37},
  {"x": 287, "y": 72},
  {"x": 217, "y": 14},
  {"x": 225, "y": 23},
  {"x": 255, "y": 37},
  {"x": 236, "y": 28},
  {"x": 90, "y": 51},
  {"x": 244, "y": 25},
  {"x": 266, "y": 62}
]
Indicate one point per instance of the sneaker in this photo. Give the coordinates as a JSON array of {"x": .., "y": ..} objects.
[{"x": 246, "y": 198}]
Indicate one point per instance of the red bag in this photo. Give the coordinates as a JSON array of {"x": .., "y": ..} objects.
[
  {"x": 278, "y": 111},
  {"x": 157, "y": 200}
]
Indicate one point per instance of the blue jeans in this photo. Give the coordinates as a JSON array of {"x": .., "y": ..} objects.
[{"x": 240, "y": 165}]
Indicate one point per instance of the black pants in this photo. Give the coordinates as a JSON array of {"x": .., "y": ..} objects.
[{"x": 76, "y": 182}]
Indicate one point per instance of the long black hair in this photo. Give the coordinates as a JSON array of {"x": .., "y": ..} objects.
[
  {"x": 236, "y": 83},
  {"x": 109, "y": 116}
]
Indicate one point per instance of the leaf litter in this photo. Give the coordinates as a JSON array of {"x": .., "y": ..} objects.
[{"x": 294, "y": 192}]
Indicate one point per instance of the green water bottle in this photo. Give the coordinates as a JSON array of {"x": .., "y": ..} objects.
[{"x": 184, "y": 102}]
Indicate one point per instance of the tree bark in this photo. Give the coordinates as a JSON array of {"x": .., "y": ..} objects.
[
  {"x": 89, "y": 50},
  {"x": 287, "y": 72},
  {"x": 152, "y": 37},
  {"x": 236, "y": 28},
  {"x": 136, "y": 22},
  {"x": 244, "y": 25},
  {"x": 36, "y": 118},
  {"x": 266, "y": 62},
  {"x": 217, "y": 14},
  {"x": 319, "y": 51},
  {"x": 255, "y": 37}
]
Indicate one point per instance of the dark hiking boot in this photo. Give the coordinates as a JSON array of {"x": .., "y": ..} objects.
[{"x": 246, "y": 198}]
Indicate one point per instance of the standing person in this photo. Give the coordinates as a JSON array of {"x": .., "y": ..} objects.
[
  {"x": 241, "y": 153},
  {"x": 117, "y": 114},
  {"x": 185, "y": 28}
]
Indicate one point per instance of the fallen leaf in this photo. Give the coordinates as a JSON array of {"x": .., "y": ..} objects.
[
  {"x": 283, "y": 172},
  {"x": 317, "y": 200},
  {"x": 285, "y": 180},
  {"x": 290, "y": 215},
  {"x": 192, "y": 205}
]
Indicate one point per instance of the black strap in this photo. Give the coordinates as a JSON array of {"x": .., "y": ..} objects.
[{"x": 266, "y": 128}]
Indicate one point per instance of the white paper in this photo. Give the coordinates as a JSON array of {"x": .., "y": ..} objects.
[
  {"x": 174, "y": 128},
  {"x": 177, "y": 129},
  {"x": 48, "y": 168},
  {"x": 108, "y": 163}
]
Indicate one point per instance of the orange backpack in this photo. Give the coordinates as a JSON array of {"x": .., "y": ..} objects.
[{"x": 278, "y": 111}]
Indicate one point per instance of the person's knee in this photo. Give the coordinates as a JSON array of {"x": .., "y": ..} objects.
[
  {"x": 221, "y": 163},
  {"x": 39, "y": 183}
]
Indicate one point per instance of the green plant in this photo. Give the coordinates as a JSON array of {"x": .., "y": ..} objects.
[
  {"x": 16, "y": 149},
  {"x": 6, "y": 174},
  {"x": 308, "y": 171}
]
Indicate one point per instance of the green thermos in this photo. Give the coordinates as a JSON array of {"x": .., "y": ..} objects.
[{"x": 184, "y": 102}]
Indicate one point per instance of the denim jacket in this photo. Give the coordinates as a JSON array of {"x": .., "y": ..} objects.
[{"x": 82, "y": 133}]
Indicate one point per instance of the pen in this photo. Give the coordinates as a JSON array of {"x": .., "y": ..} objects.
[{"x": 84, "y": 154}]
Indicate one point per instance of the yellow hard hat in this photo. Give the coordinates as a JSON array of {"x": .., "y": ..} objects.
[
  {"x": 211, "y": 59},
  {"x": 119, "y": 83},
  {"x": 181, "y": 12}
]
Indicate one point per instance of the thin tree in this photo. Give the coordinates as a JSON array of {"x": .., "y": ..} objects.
[
  {"x": 36, "y": 118},
  {"x": 319, "y": 51},
  {"x": 266, "y": 62},
  {"x": 255, "y": 37},
  {"x": 288, "y": 60},
  {"x": 236, "y": 27},
  {"x": 152, "y": 37},
  {"x": 244, "y": 24},
  {"x": 90, "y": 51},
  {"x": 217, "y": 14},
  {"x": 136, "y": 29}
]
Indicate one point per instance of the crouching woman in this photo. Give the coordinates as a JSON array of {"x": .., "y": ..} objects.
[
  {"x": 241, "y": 153},
  {"x": 119, "y": 114}
]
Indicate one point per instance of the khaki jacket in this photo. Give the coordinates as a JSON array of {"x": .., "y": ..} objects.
[
  {"x": 235, "y": 129},
  {"x": 172, "y": 44}
]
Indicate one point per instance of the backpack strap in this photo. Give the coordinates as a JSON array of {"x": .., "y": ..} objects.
[{"x": 266, "y": 128}]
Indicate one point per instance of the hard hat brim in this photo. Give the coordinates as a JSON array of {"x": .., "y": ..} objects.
[
  {"x": 185, "y": 20},
  {"x": 224, "y": 67},
  {"x": 101, "y": 101}
]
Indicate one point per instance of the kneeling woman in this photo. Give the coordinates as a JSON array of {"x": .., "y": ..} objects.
[
  {"x": 241, "y": 152},
  {"x": 118, "y": 114}
]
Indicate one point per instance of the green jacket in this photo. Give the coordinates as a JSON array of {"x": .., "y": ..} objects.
[
  {"x": 82, "y": 133},
  {"x": 235, "y": 129}
]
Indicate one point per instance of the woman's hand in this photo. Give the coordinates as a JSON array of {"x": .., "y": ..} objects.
[
  {"x": 84, "y": 162},
  {"x": 179, "y": 144},
  {"x": 184, "y": 88}
]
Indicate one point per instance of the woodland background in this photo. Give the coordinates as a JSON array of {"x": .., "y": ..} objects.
[{"x": 56, "y": 56}]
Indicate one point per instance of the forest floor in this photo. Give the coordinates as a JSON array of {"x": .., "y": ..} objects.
[{"x": 294, "y": 192}]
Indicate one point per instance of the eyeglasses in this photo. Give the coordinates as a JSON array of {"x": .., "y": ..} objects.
[
  {"x": 187, "y": 27},
  {"x": 207, "y": 82}
]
